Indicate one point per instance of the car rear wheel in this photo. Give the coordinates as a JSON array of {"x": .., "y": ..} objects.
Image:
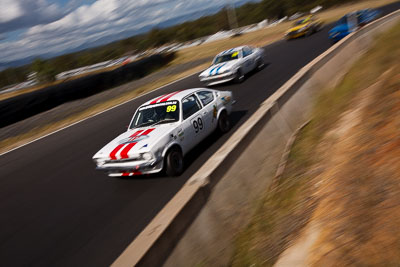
[
  {"x": 224, "y": 124},
  {"x": 239, "y": 76},
  {"x": 174, "y": 162}
]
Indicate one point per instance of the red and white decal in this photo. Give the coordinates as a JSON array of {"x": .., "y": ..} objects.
[
  {"x": 125, "y": 148},
  {"x": 131, "y": 173},
  {"x": 113, "y": 154},
  {"x": 169, "y": 96},
  {"x": 157, "y": 99},
  {"x": 148, "y": 131},
  {"x": 136, "y": 133},
  {"x": 124, "y": 152},
  {"x": 163, "y": 98}
]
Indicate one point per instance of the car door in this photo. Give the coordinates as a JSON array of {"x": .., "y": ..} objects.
[
  {"x": 248, "y": 59},
  {"x": 254, "y": 54},
  {"x": 193, "y": 122},
  {"x": 209, "y": 111},
  {"x": 352, "y": 23}
]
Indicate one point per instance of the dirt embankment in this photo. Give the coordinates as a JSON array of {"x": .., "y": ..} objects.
[
  {"x": 358, "y": 189},
  {"x": 359, "y": 210},
  {"x": 337, "y": 202}
]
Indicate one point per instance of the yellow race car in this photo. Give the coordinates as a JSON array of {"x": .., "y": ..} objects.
[{"x": 304, "y": 27}]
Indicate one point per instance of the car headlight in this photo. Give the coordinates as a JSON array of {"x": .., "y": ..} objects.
[
  {"x": 99, "y": 162},
  {"x": 146, "y": 156},
  {"x": 334, "y": 34}
]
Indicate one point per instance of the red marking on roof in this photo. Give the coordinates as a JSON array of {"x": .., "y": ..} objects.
[
  {"x": 169, "y": 96},
  {"x": 158, "y": 98}
]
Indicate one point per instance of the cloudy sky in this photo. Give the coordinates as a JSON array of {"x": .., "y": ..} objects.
[{"x": 34, "y": 27}]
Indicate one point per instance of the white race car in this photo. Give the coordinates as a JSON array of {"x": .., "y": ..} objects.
[
  {"x": 233, "y": 64},
  {"x": 163, "y": 130}
]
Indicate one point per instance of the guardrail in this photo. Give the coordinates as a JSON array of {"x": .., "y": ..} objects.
[{"x": 198, "y": 221}]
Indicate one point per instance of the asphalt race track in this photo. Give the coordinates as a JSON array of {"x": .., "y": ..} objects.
[{"x": 56, "y": 210}]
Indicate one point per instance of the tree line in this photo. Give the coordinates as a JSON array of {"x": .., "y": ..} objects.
[{"x": 248, "y": 13}]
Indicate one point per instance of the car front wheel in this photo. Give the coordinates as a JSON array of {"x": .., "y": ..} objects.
[
  {"x": 260, "y": 64},
  {"x": 174, "y": 162},
  {"x": 239, "y": 76},
  {"x": 224, "y": 123}
]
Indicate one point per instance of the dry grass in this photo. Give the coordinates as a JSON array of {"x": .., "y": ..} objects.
[
  {"x": 257, "y": 38},
  {"x": 265, "y": 36},
  {"x": 334, "y": 14},
  {"x": 41, "y": 86},
  {"x": 369, "y": 185},
  {"x": 360, "y": 217},
  {"x": 26, "y": 90},
  {"x": 359, "y": 207}
]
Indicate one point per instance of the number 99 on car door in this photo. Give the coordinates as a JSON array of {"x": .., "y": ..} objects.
[
  {"x": 194, "y": 124},
  {"x": 198, "y": 124},
  {"x": 198, "y": 128}
]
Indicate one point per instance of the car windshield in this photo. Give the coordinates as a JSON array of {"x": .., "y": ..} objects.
[
  {"x": 226, "y": 57},
  {"x": 164, "y": 112},
  {"x": 341, "y": 21},
  {"x": 302, "y": 21}
]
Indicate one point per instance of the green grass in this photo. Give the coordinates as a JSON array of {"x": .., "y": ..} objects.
[{"x": 285, "y": 208}]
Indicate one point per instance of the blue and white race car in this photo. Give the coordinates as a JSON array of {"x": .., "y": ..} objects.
[
  {"x": 351, "y": 22},
  {"x": 233, "y": 64}
]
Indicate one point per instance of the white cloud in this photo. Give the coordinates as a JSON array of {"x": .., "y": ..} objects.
[
  {"x": 21, "y": 14},
  {"x": 9, "y": 10},
  {"x": 89, "y": 23}
]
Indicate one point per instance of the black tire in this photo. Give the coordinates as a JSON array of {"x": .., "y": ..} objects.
[
  {"x": 260, "y": 64},
  {"x": 239, "y": 76},
  {"x": 174, "y": 162},
  {"x": 224, "y": 124}
]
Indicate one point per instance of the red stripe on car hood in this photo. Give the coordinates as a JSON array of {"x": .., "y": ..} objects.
[{"x": 124, "y": 152}]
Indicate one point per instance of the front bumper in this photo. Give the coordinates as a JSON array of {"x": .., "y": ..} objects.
[
  {"x": 217, "y": 79},
  {"x": 335, "y": 37},
  {"x": 131, "y": 168},
  {"x": 293, "y": 35}
]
